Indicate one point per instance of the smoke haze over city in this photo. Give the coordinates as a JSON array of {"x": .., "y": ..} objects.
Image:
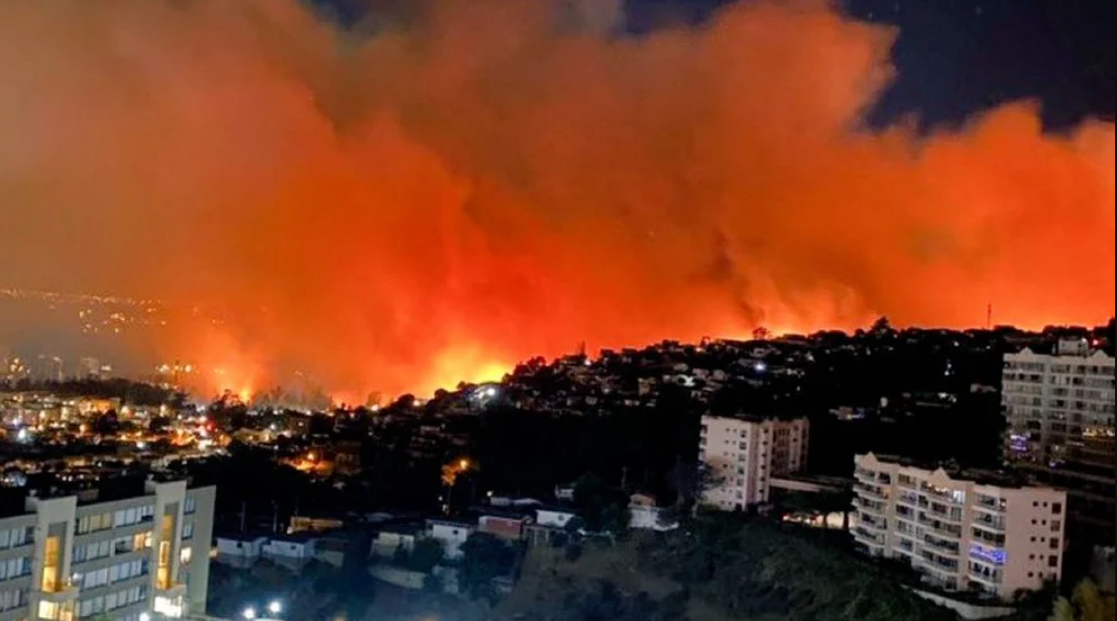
[{"x": 433, "y": 194}]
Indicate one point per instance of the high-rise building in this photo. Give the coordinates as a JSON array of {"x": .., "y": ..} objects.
[
  {"x": 961, "y": 530},
  {"x": 743, "y": 454},
  {"x": 88, "y": 367},
  {"x": 72, "y": 557},
  {"x": 1060, "y": 413}
]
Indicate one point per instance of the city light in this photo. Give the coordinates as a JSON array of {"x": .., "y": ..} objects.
[{"x": 275, "y": 607}]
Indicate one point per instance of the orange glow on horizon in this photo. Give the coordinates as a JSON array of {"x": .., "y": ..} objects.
[{"x": 472, "y": 186}]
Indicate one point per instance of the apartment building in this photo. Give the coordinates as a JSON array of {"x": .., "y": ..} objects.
[
  {"x": 742, "y": 454},
  {"x": 1060, "y": 413},
  {"x": 961, "y": 530},
  {"x": 76, "y": 557}
]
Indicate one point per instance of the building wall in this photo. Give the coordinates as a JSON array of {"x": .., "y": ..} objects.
[
  {"x": 234, "y": 548},
  {"x": 555, "y": 519},
  {"x": 82, "y": 560},
  {"x": 742, "y": 455},
  {"x": 1060, "y": 407},
  {"x": 386, "y": 543},
  {"x": 1060, "y": 413},
  {"x": 959, "y": 533},
  {"x": 452, "y": 537},
  {"x": 198, "y": 512},
  {"x": 504, "y": 527}
]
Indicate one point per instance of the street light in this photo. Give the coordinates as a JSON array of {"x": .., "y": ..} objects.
[
  {"x": 249, "y": 613},
  {"x": 145, "y": 616},
  {"x": 275, "y": 607}
]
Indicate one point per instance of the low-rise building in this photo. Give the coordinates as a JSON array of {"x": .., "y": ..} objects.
[
  {"x": 395, "y": 537},
  {"x": 555, "y": 517},
  {"x": 742, "y": 454},
  {"x": 293, "y": 550},
  {"x": 503, "y": 524},
  {"x": 67, "y": 557},
  {"x": 644, "y": 513},
  {"x": 961, "y": 530},
  {"x": 451, "y": 534},
  {"x": 240, "y": 549}
]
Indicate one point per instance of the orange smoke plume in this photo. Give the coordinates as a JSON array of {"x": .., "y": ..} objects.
[{"x": 446, "y": 190}]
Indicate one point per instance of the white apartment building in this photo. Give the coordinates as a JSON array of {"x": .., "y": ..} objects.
[
  {"x": 72, "y": 557},
  {"x": 960, "y": 531},
  {"x": 1060, "y": 408},
  {"x": 743, "y": 454},
  {"x": 1060, "y": 413}
]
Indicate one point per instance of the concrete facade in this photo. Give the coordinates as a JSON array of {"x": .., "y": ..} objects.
[
  {"x": 741, "y": 456},
  {"x": 123, "y": 558},
  {"x": 960, "y": 531}
]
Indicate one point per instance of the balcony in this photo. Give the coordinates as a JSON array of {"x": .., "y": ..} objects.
[
  {"x": 61, "y": 594},
  {"x": 940, "y": 527},
  {"x": 174, "y": 591},
  {"x": 952, "y": 548},
  {"x": 870, "y": 491},
  {"x": 870, "y": 506},
  {"x": 940, "y": 563},
  {"x": 864, "y": 474},
  {"x": 948, "y": 514},
  {"x": 989, "y": 503},
  {"x": 867, "y": 537},
  {"x": 994, "y": 523},
  {"x": 908, "y": 498}
]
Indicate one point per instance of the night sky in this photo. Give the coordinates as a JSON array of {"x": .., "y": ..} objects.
[{"x": 958, "y": 57}]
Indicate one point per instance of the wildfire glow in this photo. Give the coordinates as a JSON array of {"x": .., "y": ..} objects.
[{"x": 478, "y": 182}]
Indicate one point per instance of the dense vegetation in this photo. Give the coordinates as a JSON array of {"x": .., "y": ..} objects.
[{"x": 720, "y": 568}]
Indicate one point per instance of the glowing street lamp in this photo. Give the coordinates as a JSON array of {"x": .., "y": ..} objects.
[
  {"x": 249, "y": 613},
  {"x": 275, "y": 607}
]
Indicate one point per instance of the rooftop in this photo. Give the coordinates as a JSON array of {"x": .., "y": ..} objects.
[{"x": 980, "y": 476}]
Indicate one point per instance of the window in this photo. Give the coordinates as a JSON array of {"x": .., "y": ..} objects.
[
  {"x": 1053, "y": 561},
  {"x": 141, "y": 541},
  {"x": 21, "y": 536},
  {"x": 1054, "y": 544},
  {"x": 1056, "y": 508},
  {"x": 16, "y": 567},
  {"x": 49, "y": 610},
  {"x": 190, "y": 505},
  {"x": 51, "y": 564},
  {"x": 122, "y": 545}
]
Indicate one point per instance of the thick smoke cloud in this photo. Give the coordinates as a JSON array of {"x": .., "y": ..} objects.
[{"x": 461, "y": 184}]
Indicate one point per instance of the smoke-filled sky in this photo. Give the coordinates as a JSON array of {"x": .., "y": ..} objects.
[{"x": 443, "y": 189}]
